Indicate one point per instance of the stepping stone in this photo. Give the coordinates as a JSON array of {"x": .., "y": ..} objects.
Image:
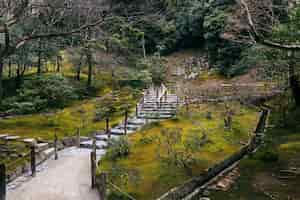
[{"x": 12, "y": 138}]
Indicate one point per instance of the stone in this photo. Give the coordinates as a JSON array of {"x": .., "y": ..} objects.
[
  {"x": 11, "y": 138},
  {"x": 204, "y": 198}
]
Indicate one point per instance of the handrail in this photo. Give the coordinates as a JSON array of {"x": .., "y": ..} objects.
[{"x": 122, "y": 192}]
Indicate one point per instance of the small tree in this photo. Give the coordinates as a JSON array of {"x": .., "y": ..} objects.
[
  {"x": 228, "y": 117},
  {"x": 126, "y": 104},
  {"x": 105, "y": 110}
]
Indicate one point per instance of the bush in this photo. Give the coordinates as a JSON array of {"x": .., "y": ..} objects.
[
  {"x": 118, "y": 148},
  {"x": 268, "y": 156},
  {"x": 41, "y": 93}
]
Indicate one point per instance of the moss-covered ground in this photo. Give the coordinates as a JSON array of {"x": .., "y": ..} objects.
[
  {"x": 144, "y": 175},
  {"x": 65, "y": 121},
  {"x": 261, "y": 174}
]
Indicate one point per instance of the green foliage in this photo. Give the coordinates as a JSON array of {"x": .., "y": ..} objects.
[
  {"x": 118, "y": 148},
  {"x": 41, "y": 93},
  {"x": 106, "y": 108}
]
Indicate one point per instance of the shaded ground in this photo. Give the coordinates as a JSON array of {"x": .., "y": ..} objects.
[
  {"x": 264, "y": 178},
  {"x": 65, "y": 179}
]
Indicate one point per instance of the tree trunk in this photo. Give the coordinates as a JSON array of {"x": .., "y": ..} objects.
[
  {"x": 90, "y": 71},
  {"x": 294, "y": 83},
  {"x": 57, "y": 63},
  {"x": 9, "y": 69},
  {"x": 78, "y": 74},
  {"x": 18, "y": 77},
  {"x": 1, "y": 76},
  {"x": 107, "y": 127},
  {"x": 125, "y": 122},
  {"x": 39, "y": 66}
]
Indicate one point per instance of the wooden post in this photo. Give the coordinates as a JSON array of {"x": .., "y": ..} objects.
[
  {"x": 32, "y": 155},
  {"x": 93, "y": 169},
  {"x": 78, "y": 137},
  {"x": 137, "y": 110},
  {"x": 55, "y": 146},
  {"x": 2, "y": 182},
  {"x": 102, "y": 185},
  {"x": 125, "y": 122}
]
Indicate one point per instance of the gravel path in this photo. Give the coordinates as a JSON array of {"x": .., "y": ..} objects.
[{"x": 65, "y": 179}]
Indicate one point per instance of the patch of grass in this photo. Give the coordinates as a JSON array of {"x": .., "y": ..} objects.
[{"x": 155, "y": 176}]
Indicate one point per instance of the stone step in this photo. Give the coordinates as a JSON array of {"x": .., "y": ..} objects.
[
  {"x": 3, "y": 136},
  {"x": 12, "y": 138},
  {"x": 155, "y": 117},
  {"x": 30, "y": 141},
  {"x": 133, "y": 127},
  {"x": 159, "y": 109},
  {"x": 89, "y": 144},
  {"x": 160, "y": 112},
  {"x": 119, "y": 131},
  {"x": 41, "y": 147},
  {"x": 137, "y": 121},
  {"x": 44, "y": 155},
  {"x": 105, "y": 137}
]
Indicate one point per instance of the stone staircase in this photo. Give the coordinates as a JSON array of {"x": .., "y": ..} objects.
[{"x": 155, "y": 105}]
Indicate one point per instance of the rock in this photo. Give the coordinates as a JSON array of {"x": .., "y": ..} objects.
[
  {"x": 204, "y": 198},
  {"x": 206, "y": 193}
]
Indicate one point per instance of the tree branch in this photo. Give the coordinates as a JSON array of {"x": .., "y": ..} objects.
[
  {"x": 25, "y": 39},
  {"x": 260, "y": 39}
]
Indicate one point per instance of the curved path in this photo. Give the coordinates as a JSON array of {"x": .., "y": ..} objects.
[{"x": 67, "y": 178}]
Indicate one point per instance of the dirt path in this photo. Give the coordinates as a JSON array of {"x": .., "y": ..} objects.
[{"x": 65, "y": 179}]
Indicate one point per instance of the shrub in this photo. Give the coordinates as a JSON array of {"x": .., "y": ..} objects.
[
  {"x": 268, "y": 155},
  {"x": 41, "y": 93},
  {"x": 118, "y": 148}
]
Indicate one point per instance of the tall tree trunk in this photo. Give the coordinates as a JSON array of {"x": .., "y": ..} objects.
[
  {"x": 58, "y": 63},
  {"x": 18, "y": 77},
  {"x": 1, "y": 76},
  {"x": 293, "y": 79},
  {"x": 9, "y": 69},
  {"x": 39, "y": 67},
  {"x": 90, "y": 70}
]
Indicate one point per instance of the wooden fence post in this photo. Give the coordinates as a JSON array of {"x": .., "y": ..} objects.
[
  {"x": 78, "y": 137},
  {"x": 93, "y": 169},
  {"x": 102, "y": 185},
  {"x": 137, "y": 110},
  {"x": 2, "y": 182},
  {"x": 33, "y": 161},
  {"x": 55, "y": 147}
]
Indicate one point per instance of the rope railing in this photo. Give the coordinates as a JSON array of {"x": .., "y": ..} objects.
[{"x": 121, "y": 191}]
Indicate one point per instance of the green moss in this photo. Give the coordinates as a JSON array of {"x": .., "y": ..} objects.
[
  {"x": 156, "y": 177},
  {"x": 259, "y": 177}
]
